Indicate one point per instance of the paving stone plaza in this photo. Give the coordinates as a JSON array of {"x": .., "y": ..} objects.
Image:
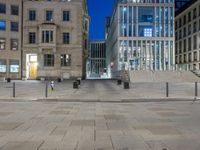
[
  {"x": 105, "y": 90},
  {"x": 99, "y": 126}
]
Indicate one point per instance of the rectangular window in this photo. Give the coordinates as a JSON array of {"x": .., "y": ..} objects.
[
  {"x": 184, "y": 20},
  {"x": 180, "y": 59},
  {"x": 189, "y": 16},
  {"x": 2, "y": 44},
  {"x": 190, "y": 57},
  {"x": 14, "y": 10},
  {"x": 180, "y": 47},
  {"x": 180, "y": 22},
  {"x": 195, "y": 56},
  {"x": 185, "y": 45},
  {"x": 15, "y": 26},
  {"x": 14, "y": 44},
  {"x": 194, "y": 42},
  {"x": 148, "y": 32},
  {"x": 194, "y": 13},
  {"x": 2, "y": 65},
  {"x": 66, "y": 38},
  {"x": 48, "y": 60},
  {"x": 65, "y": 60},
  {"x": 189, "y": 29},
  {"x": 2, "y": 8},
  {"x": 184, "y": 32},
  {"x": 49, "y": 15},
  {"x": 32, "y": 15},
  {"x": 66, "y": 15},
  {"x": 189, "y": 44},
  {"x": 194, "y": 27},
  {"x": 47, "y": 36},
  {"x": 32, "y": 37},
  {"x": 180, "y": 34},
  {"x": 2, "y": 25},
  {"x": 14, "y": 66},
  {"x": 185, "y": 58}
]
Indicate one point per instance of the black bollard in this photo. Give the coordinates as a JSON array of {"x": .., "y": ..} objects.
[
  {"x": 126, "y": 85},
  {"x": 14, "y": 89},
  {"x": 75, "y": 85},
  {"x": 167, "y": 89}
]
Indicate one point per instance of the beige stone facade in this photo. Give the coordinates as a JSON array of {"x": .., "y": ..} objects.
[
  {"x": 54, "y": 38},
  {"x": 56, "y": 47},
  {"x": 10, "y": 38}
]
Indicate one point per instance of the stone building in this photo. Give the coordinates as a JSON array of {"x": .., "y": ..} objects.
[
  {"x": 187, "y": 25},
  {"x": 10, "y": 38},
  {"x": 49, "y": 37},
  {"x": 55, "y": 38}
]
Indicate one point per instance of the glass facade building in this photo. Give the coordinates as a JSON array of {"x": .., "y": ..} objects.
[
  {"x": 97, "y": 60},
  {"x": 141, "y": 35}
]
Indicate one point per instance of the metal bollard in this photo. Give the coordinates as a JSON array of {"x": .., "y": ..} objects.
[
  {"x": 196, "y": 89},
  {"x": 167, "y": 89},
  {"x": 46, "y": 90},
  {"x": 14, "y": 89}
]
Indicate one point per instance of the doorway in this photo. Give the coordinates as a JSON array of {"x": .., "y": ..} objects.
[{"x": 32, "y": 66}]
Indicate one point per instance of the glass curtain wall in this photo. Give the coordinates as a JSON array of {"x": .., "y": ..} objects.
[{"x": 146, "y": 35}]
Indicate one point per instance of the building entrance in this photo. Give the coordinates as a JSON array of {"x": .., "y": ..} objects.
[{"x": 31, "y": 65}]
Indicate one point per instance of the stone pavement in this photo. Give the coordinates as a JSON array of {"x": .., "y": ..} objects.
[
  {"x": 99, "y": 126},
  {"x": 96, "y": 90}
]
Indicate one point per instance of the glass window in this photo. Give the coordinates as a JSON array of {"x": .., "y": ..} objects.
[
  {"x": 194, "y": 42},
  {"x": 15, "y": 26},
  {"x": 32, "y": 15},
  {"x": 32, "y": 37},
  {"x": 65, "y": 60},
  {"x": 148, "y": 32},
  {"x": 189, "y": 29},
  {"x": 48, "y": 60},
  {"x": 2, "y": 8},
  {"x": 2, "y": 65},
  {"x": 49, "y": 15},
  {"x": 14, "y": 10},
  {"x": 14, "y": 44},
  {"x": 189, "y": 16},
  {"x": 14, "y": 66},
  {"x": 194, "y": 27},
  {"x": 145, "y": 31},
  {"x": 47, "y": 36},
  {"x": 146, "y": 14},
  {"x": 180, "y": 22},
  {"x": 2, "y": 44},
  {"x": 184, "y": 45},
  {"x": 195, "y": 56},
  {"x": 184, "y": 20},
  {"x": 180, "y": 46},
  {"x": 2, "y": 25},
  {"x": 189, "y": 44},
  {"x": 66, "y": 38},
  {"x": 66, "y": 15},
  {"x": 184, "y": 32},
  {"x": 194, "y": 13}
]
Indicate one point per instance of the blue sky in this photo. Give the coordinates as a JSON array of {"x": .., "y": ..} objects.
[{"x": 98, "y": 10}]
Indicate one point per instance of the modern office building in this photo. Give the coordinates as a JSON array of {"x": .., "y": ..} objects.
[
  {"x": 97, "y": 68},
  {"x": 141, "y": 36},
  {"x": 10, "y": 38},
  {"x": 43, "y": 39},
  {"x": 187, "y": 27},
  {"x": 55, "y": 38}
]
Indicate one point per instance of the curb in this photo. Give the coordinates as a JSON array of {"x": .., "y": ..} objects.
[{"x": 136, "y": 100}]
